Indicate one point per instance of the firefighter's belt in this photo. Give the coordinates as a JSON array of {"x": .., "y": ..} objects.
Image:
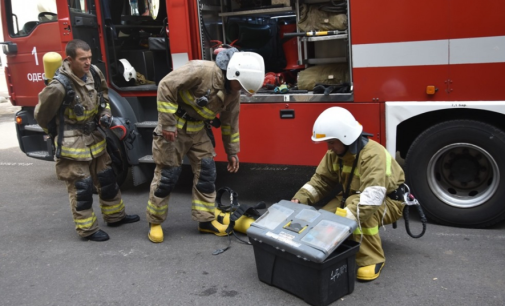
[
  {"x": 182, "y": 114},
  {"x": 87, "y": 128},
  {"x": 398, "y": 194}
]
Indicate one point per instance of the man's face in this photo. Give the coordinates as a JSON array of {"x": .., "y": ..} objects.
[
  {"x": 236, "y": 86},
  {"x": 81, "y": 63},
  {"x": 336, "y": 146}
]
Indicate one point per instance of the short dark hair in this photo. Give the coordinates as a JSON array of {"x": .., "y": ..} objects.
[{"x": 75, "y": 44}]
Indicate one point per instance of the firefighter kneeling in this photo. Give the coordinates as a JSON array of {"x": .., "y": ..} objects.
[{"x": 370, "y": 178}]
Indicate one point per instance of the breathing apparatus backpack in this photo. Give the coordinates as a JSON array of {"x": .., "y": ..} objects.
[{"x": 240, "y": 216}]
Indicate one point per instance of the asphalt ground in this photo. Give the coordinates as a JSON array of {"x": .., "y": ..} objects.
[{"x": 44, "y": 262}]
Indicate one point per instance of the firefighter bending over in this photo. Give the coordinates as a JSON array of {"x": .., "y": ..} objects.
[
  {"x": 188, "y": 99},
  {"x": 73, "y": 104},
  {"x": 371, "y": 180}
]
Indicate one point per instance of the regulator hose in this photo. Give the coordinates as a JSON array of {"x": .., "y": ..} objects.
[
  {"x": 407, "y": 225},
  {"x": 410, "y": 200}
]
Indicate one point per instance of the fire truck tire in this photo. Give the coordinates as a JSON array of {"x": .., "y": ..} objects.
[
  {"x": 122, "y": 170},
  {"x": 457, "y": 171}
]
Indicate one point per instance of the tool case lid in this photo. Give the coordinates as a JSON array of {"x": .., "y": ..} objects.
[{"x": 302, "y": 230}]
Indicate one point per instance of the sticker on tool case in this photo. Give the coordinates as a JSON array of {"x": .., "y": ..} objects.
[{"x": 285, "y": 238}]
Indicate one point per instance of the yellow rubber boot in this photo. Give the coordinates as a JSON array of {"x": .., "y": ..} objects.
[
  {"x": 213, "y": 227},
  {"x": 155, "y": 233},
  {"x": 369, "y": 273}
]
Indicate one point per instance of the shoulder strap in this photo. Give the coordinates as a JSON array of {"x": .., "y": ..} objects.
[
  {"x": 97, "y": 81},
  {"x": 67, "y": 84},
  {"x": 361, "y": 142},
  {"x": 96, "y": 78},
  {"x": 69, "y": 97}
]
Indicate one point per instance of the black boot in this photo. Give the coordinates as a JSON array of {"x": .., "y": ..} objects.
[
  {"x": 126, "y": 219},
  {"x": 98, "y": 236}
]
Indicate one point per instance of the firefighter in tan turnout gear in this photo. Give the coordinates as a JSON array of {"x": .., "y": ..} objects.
[
  {"x": 371, "y": 181},
  {"x": 188, "y": 98},
  {"x": 82, "y": 160}
]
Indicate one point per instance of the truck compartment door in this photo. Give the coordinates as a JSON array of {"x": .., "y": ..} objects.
[{"x": 84, "y": 25}]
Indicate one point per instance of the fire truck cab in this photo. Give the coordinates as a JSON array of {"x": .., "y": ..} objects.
[{"x": 424, "y": 78}]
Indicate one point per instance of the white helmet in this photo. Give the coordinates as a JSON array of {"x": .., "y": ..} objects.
[
  {"x": 336, "y": 123},
  {"x": 248, "y": 68},
  {"x": 128, "y": 71}
]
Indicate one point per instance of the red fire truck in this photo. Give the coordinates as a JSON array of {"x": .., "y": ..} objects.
[{"x": 424, "y": 77}]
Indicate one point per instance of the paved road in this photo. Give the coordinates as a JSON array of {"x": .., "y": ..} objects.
[{"x": 43, "y": 262}]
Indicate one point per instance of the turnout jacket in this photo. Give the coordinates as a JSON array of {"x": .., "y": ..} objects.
[
  {"x": 375, "y": 176},
  {"x": 76, "y": 145},
  {"x": 180, "y": 89}
]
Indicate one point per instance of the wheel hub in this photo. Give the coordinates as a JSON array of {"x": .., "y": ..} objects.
[
  {"x": 462, "y": 170},
  {"x": 463, "y": 175}
]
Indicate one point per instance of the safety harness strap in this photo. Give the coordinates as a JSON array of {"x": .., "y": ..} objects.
[{"x": 69, "y": 97}]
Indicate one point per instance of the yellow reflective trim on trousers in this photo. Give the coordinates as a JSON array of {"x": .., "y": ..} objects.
[
  {"x": 113, "y": 209},
  {"x": 85, "y": 223},
  {"x": 82, "y": 153},
  {"x": 388, "y": 162},
  {"x": 189, "y": 99},
  {"x": 203, "y": 206},
  {"x": 155, "y": 210},
  {"x": 367, "y": 231},
  {"x": 225, "y": 130},
  {"x": 107, "y": 106},
  {"x": 235, "y": 137},
  {"x": 167, "y": 107},
  {"x": 88, "y": 114}
]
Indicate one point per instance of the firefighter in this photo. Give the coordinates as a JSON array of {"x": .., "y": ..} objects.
[
  {"x": 82, "y": 160},
  {"x": 370, "y": 179},
  {"x": 188, "y": 99}
]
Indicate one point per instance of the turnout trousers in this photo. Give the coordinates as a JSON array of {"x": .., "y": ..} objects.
[
  {"x": 168, "y": 156},
  {"x": 370, "y": 251},
  {"x": 80, "y": 177}
]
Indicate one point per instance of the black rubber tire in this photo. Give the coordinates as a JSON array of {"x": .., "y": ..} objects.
[
  {"x": 454, "y": 169},
  {"x": 121, "y": 172}
]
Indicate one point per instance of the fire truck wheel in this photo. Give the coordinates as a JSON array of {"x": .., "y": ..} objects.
[
  {"x": 456, "y": 169},
  {"x": 121, "y": 168}
]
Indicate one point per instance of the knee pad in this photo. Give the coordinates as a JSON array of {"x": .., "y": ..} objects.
[
  {"x": 207, "y": 177},
  {"x": 108, "y": 185},
  {"x": 84, "y": 194},
  {"x": 169, "y": 177}
]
